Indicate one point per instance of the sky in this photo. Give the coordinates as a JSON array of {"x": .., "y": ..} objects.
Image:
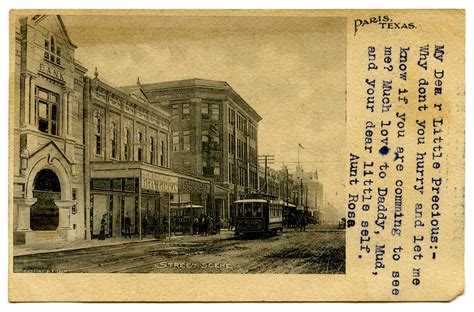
[{"x": 291, "y": 70}]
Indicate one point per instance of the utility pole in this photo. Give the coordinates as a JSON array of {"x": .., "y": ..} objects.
[{"x": 268, "y": 160}]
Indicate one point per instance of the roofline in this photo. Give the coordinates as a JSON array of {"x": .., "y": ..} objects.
[
  {"x": 155, "y": 109},
  {"x": 226, "y": 86}
]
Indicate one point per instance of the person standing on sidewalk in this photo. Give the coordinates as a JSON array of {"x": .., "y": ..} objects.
[
  {"x": 103, "y": 223},
  {"x": 145, "y": 226},
  {"x": 127, "y": 223}
]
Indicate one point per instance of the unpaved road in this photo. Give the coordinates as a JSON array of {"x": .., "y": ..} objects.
[{"x": 315, "y": 251}]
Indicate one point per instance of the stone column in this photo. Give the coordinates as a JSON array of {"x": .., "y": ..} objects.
[
  {"x": 64, "y": 226},
  {"x": 31, "y": 101},
  {"x": 22, "y": 232},
  {"x": 26, "y": 99},
  {"x": 23, "y": 216},
  {"x": 64, "y": 110},
  {"x": 69, "y": 112}
]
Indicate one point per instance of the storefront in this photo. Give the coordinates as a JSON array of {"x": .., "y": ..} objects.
[{"x": 157, "y": 200}]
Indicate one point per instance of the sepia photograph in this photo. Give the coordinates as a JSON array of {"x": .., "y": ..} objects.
[{"x": 178, "y": 144}]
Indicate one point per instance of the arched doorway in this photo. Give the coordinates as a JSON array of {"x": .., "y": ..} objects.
[{"x": 44, "y": 215}]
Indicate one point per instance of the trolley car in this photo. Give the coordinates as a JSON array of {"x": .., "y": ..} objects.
[{"x": 261, "y": 215}]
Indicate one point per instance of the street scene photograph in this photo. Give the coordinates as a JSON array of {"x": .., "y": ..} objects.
[{"x": 174, "y": 143}]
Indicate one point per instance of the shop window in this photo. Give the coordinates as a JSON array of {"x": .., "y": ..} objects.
[
  {"x": 47, "y": 104},
  {"x": 186, "y": 144},
  {"x": 113, "y": 140},
  {"x": 52, "y": 51},
  {"x": 205, "y": 111},
  {"x": 175, "y": 141},
  {"x": 186, "y": 111}
]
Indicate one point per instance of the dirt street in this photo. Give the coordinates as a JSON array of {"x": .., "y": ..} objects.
[{"x": 315, "y": 251}]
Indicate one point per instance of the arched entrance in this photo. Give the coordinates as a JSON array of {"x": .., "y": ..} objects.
[{"x": 44, "y": 215}]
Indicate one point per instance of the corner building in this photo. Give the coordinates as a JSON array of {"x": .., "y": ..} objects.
[
  {"x": 47, "y": 125},
  {"x": 214, "y": 134}
]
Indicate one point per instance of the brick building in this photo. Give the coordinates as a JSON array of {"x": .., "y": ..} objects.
[{"x": 214, "y": 134}]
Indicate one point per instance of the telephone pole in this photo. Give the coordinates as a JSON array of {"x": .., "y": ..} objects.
[{"x": 268, "y": 160}]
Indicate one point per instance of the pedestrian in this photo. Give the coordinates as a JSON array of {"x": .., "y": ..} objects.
[
  {"x": 218, "y": 224},
  {"x": 165, "y": 224},
  {"x": 127, "y": 223},
  {"x": 231, "y": 223},
  {"x": 145, "y": 226},
  {"x": 196, "y": 225},
  {"x": 103, "y": 223},
  {"x": 303, "y": 223},
  {"x": 202, "y": 225},
  {"x": 209, "y": 223}
]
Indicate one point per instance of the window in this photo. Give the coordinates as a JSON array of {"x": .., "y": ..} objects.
[
  {"x": 204, "y": 167},
  {"x": 113, "y": 140},
  {"x": 186, "y": 145},
  {"x": 175, "y": 110},
  {"x": 52, "y": 52},
  {"x": 205, "y": 111},
  {"x": 175, "y": 141},
  {"x": 231, "y": 173},
  {"x": 204, "y": 139},
  {"x": 126, "y": 144},
  {"x": 140, "y": 146},
  {"x": 47, "y": 111},
  {"x": 231, "y": 116},
  {"x": 186, "y": 111},
  {"x": 162, "y": 154},
  {"x": 98, "y": 133},
  {"x": 217, "y": 168},
  {"x": 152, "y": 150},
  {"x": 231, "y": 143},
  {"x": 215, "y": 112}
]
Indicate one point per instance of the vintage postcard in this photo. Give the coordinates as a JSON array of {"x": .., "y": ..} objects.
[{"x": 259, "y": 155}]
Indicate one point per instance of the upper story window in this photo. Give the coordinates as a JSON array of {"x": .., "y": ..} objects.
[
  {"x": 113, "y": 140},
  {"x": 126, "y": 144},
  {"x": 186, "y": 111},
  {"x": 162, "y": 153},
  {"x": 241, "y": 123},
  {"x": 231, "y": 116},
  {"x": 186, "y": 144},
  {"x": 152, "y": 150},
  {"x": 215, "y": 112},
  {"x": 204, "y": 139},
  {"x": 53, "y": 52},
  {"x": 140, "y": 146},
  {"x": 175, "y": 141},
  {"x": 175, "y": 110},
  {"x": 98, "y": 133},
  {"x": 204, "y": 111},
  {"x": 46, "y": 104}
]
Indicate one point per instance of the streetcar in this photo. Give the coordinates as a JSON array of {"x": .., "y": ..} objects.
[{"x": 261, "y": 215}]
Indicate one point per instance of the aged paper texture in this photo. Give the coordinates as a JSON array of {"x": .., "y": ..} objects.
[{"x": 259, "y": 155}]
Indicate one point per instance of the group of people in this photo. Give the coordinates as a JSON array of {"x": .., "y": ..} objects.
[
  {"x": 203, "y": 225},
  {"x": 296, "y": 221}
]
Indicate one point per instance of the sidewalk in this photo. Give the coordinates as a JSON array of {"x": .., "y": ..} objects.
[{"x": 57, "y": 246}]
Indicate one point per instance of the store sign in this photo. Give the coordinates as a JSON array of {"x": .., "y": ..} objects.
[
  {"x": 160, "y": 183},
  {"x": 51, "y": 71},
  {"x": 193, "y": 187}
]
